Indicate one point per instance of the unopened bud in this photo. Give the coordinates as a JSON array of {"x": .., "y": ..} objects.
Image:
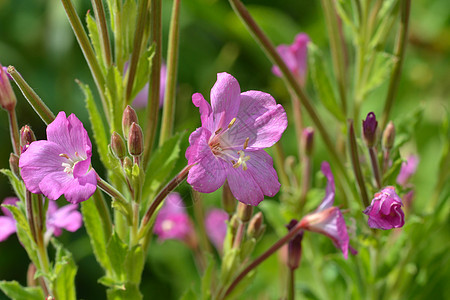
[
  {"x": 370, "y": 129},
  {"x": 129, "y": 117},
  {"x": 26, "y": 137},
  {"x": 294, "y": 247},
  {"x": 389, "y": 136},
  {"x": 14, "y": 164},
  {"x": 127, "y": 164},
  {"x": 228, "y": 200},
  {"x": 244, "y": 212},
  {"x": 234, "y": 223},
  {"x": 7, "y": 97},
  {"x": 118, "y": 146},
  {"x": 308, "y": 140},
  {"x": 256, "y": 227},
  {"x": 135, "y": 140}
]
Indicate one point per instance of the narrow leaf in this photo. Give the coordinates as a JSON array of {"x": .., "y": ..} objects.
[
  {"x": 15, "y": 291},
  {"x": 65, "y": 271}
]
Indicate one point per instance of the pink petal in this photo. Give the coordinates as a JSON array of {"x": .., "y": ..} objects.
[
  {"x": 54, "y": 184},
  {"x": 243, "y": 186},
  {"x": 205, "y": 111},
  {"x": 7, "y": 227},
  {"x": 300, "y": 51},
  {"x": 260, "y": 119},
  {"x": 216, "y": 227},
  {"x": 225, "y": 99},
  {"x": 199, "y": 147},
  {"x": 330, "y": 189},
  {"x": 141, "y": 98},
  {"x": 81, "y": 188},
  {"x": 67, "y": 217},
  {"x": 289, "y": 59},
  {"x": 9, "y": 201},
  {"x": 260, "y": 167}
]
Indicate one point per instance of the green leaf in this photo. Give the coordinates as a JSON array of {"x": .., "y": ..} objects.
[
  {"x": 129, "y": 13},
  {"x": 380, "y": 71},
  {"x": 143, "y": 70},
  {"x": 17, "y": 184},
  {"x": 161, "y": 165},
  {"x": 95, "y": 39},
  {"x": 114, "y": 97},
  {"x": 14, "y": 290},
  {"x": 134, "y": 264},
  {"x": 189, "y": 295},
  {"x": 65, "y": 271},
  {"x": 207, "y": 278},
  {"x": 130, "y": 292},
  {"x": 98, "y": 127},
  {"x": 322, "y": 83},
  {"x": 91, "y": 218},
  {"x": 117, "y": 253}
]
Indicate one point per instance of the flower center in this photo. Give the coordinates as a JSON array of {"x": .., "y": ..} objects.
[
  {"x": 70, "y": 163},
  {"x": 167, "y": 225}
]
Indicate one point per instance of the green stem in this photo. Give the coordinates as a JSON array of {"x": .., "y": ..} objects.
[
  {"x": 87, "y": 50},
  {"x": 155, "y": 77},
  {"x": 38, "y": 105},
  {"x": 172, "y": 64},
  {"x": 99, "y": 12},
  {"x": 355, "y": 163},
  {"x": 279, "y": 163},
  {"x": 199, "y": 214},
  {"x": 114, "y": 193},
  {"x": 298, "y": 121},
  {"x": 291, "y": 284},
  {"x": 375, "y": 167},
  {"x": 305, "y": 181},
  {"x": 14, "y": 131},
  {"x": 30, "y": 215},
  {"x": 400, "y": 54},
  {"x": 273, "y": 55},
  {"x": 137, "y": 43}
]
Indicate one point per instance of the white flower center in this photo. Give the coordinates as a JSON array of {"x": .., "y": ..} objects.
[
  {"x": 70, "y": 163},
  {"x": 167, "y": 225}
]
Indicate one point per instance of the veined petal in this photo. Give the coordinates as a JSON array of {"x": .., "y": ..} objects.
[
  {"x": 260, "y": 167},
  {"x": 330, "y": 189},
  {"x": 243, "y": 186},
  {"x": 81, "y": 167},
  {"x": 198, "y": 141},
  {"x": 38, "y": 161},
  {"x": 81, "y": 188},
  {"x": 7, "y": 227},
  {"x": 225, "y": 99},
  {"x": 260, "y": 119},
  {"x": 205, "y": 109},
  {"x": 208, "y": 174},
  {"x": 54, "y": 184}
]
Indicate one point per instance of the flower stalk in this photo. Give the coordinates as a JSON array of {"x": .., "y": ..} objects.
[
  {"x": 14, "y": 131},
  {"x": 99, "y": 12},
  {"x": 114, "y": 193}
]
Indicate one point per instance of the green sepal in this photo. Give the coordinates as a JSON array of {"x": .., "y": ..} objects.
[
  {"x": 15, "y": 291},
  {"x": 189, "y": 294},
  {"x": 247, "y": 248}
]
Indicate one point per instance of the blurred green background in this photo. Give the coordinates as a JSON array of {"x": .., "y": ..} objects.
[{"x": 36, "y": 38}]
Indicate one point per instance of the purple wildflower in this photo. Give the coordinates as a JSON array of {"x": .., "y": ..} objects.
[
  {"x": 172, "y": 221},
  {"x": 62, "y": 163},
  {"x": 328, "y": 219},
  {"x": 236, "y": 127},
  {"x": 370, "y": 129},
  {"x": 66, "y": 217},
  {"x": 141, "y": 98},
  {"x": 407, "y": 170},
  {"x": 216, "y": 227},
  {"x": 385, "y": 211},
  {"x": 295, "y": 57}
]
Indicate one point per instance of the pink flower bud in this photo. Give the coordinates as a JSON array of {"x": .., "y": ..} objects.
[
  {"x": 385, "y": 211},
  {"x": 370, "y": 129},
  {"x": 7, "y": 97}
]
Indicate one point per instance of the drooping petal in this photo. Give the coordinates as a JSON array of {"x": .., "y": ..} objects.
[
  {"x": 225, "y": 99},
  {"x": 81, "y": 188},
  {"x": 328, "y": 200},
  {"x": 260, "y": 119},
  {"x": 38, "y": 161},
  {"x": 205, "y": 109},
  {"x": 7, "y": 227},
  {"x": 243, "y": 186},
  {"x": 260, "y": 167}
]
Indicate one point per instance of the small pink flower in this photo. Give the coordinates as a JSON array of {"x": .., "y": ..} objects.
[
  {"x": 407, "y": 170},
  {"x": 385, "y": 211},
  {"x": 216, "y": 227},
  {"x": 328, "y": 219},
  {"x": 236, "y": 127},
  {"x": 62, "y": 163},
  {"x": 7, "y": 222},
  {"x": 172, "y": 221},
  {"x": 295, "y": 56}
]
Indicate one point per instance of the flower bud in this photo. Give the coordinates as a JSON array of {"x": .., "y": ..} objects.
[
  {"x": 370, "y": 129},
  {"x": 26, "y": 137},
  {"x": 389, "y": 136},
  {"x": 14, "y": 164},
  {"x": 308, "y": 140},
  {"x": 118, "y": 146},
  {"x": 127, "y": 164},
  {"x": 129, "y": 117},
  {"x": 244, "y": 212},
  {"x": 256, "y": 227},
  {"x": 294, "y": 247},
  {"x": 135, "y": 140},
  {"x": 7, "y": 97},
  {"x": 385, "y": 211},
  {"x": 228, "y": 200}
]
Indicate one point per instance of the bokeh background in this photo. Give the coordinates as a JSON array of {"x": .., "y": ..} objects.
[{"x": 36, "y": 38}]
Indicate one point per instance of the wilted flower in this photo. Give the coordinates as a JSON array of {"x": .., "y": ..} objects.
[
  {"x": 236, "y": 127},
  {"x": 407, "y": 170},
  {"x": 62, "y": 163},
  {"x": 172, "y": 221},
  {"x": 295, "y": 57},
  {"x": 328, "y": 219},
  {"x": 66, "y": 217},
  {"x": 141, "y": 98},
  {"x": 216, "y": 227},
  {"x": 370, "y": 129},
  {"x": 385, "y": 211}
]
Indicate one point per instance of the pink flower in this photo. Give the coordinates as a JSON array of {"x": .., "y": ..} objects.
[
  {"x": 328, "y": 219},
  {"x": 407, "y": 170},
  {"x": 172, "y": 221},
  {"x": 228, "y": 146},
  {"x": 62, "y": 163},
  {"x": 141, "y": 98},
  {"x": 66, "y": 217},
  {"x": 295, "y": 56},
  {"x": 385, "y": 211},
  {"x": 216, "y": 227}
]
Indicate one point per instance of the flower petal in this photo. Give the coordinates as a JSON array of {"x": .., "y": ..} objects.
[
  {"x": 289, "y": 59},
  {"x": 260, "y": 167},
  {"x": 243, "y": 186},
  {"x": 198, "y": 145},
  {"x": 81, "y": 188},
  {"x": 38, "y": 161},
  {"x": 260, "y": 119},
  {"x": 216, "y": 227},
  {"x": 7, "y": 227},
  {"x": 205, "y": 111},
  {"x": 8, "y": 201},
  {"x": 67, "y": 217},
  {"x": 330, "y": 189},
  {"x": 225, "y": 98},
  {"x": 54, "y": 184}
]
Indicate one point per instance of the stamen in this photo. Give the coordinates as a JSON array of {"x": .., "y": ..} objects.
[
  {"x": 246, "y": 143},
  {"x": 242, "y": 161},
  {"x": 64, "y": 155},
  {"x": 231, "y": 123},
  {"x": 218, "y": 131}
]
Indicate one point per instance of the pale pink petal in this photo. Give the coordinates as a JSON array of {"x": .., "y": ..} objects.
[
  {"x": 199, "y": 147},
  {"x": 330, "y": 189},
  {"x": 54, "y": 184},
  {"x": 216, "y": 227},
  {"x": 289, "y": 59},
  {"x": 260, "y": 119},
  {"x": 9, "y": 201},
  {"x": 407, "y": 170},
  {"x": 243, "y": 186},
  {"x": 300, "y": 51},
  {"x": 205, "y": 109},
  {"x": 7, "y": 227},
  {"x": 260, "y": 167},
  {"x": 225, "y": 99},
  {"x": 81, "y": 188},
  {"x": 38, "y": 161},
  {"x": 67, "y": 217}
]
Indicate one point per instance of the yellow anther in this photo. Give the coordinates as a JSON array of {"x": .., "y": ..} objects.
[
  {"x": 246, "y": 143},
  {"x": 64, "y": 155},
  {"x": 218, "y": 131},
  {"x": 231, "y": 123}
]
